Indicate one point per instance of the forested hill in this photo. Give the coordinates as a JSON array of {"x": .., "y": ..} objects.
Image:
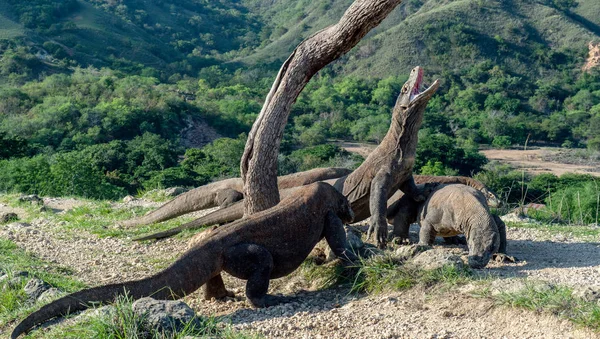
[
  {"x": 111, "y": 94},
  {"x": 183, "y": 36}
]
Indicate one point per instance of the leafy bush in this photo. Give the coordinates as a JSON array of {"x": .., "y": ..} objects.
[
  {"x": 317, "y": 156},
  {"x": 579, "y": 204},
  {"x": 436, "y": 168},
  {"x": 12, "y": 146},
  {"x": 501, "y": 142},
  {"x": 65, "y": 174},
  {"x": 437, "y": 147}
]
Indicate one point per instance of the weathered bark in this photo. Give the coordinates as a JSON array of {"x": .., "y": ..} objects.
[{"x": 259, "y": 161}]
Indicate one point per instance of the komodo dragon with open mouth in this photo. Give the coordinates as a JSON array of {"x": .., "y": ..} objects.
[
  {"x": 387, "y": 169},
  {"x": 266, "y": 245},
  {"x": 236, "y": 211},
  {"x": 224, "y": 193}
]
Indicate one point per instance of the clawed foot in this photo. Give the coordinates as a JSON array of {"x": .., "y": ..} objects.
[
  {"x": 401, "y": 241},
  {"x": 270, "y": 300},
  {"x": 380, "y": 234},
  {"x": 501, "y": 257},
  {"x": 220, "y": 296}
]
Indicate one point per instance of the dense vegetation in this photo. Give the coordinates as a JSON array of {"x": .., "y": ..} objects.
[{"x": 158, "y": 68}]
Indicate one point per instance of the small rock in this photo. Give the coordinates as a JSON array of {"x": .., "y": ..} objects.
[
  {"x": 164, "y": 315},
  {"x": 104, "y": 311},
  {"x": 8, "y": 217},
  {"x": 437, "y": 258},
  {"x": 46, "y": 209},
  {"x": 35, "y": 287},
  {"x": 129, "y": 198},
  {"x": 507, "y": 286},
  {"x": 32, "y": 198},
  {"x": 17, "y": 226},
  {"x": 50, "y": 294},
  {"x": 409, "y": 251},
  {"x": 353, "y": 235},
  {"x": 174, "y": 191},
  {"x": 588, "y": 293}
]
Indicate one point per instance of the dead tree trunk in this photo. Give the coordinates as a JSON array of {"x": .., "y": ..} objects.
[{"x": 259, "y": 161}]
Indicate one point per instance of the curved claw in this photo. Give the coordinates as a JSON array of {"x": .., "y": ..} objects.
[
  {"x": 502, "y": 257},
  {"x": 381, "y": 234}
]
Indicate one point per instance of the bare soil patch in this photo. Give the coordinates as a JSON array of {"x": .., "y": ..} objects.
[{"x": 535, "y": 161}]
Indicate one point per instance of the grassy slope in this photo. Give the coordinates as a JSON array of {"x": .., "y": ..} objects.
[
  {"x": 399, "y": 43},
  {"x": 9, "y": 28}
]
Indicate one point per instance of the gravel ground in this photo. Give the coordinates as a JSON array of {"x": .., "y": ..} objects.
[{"x": 334, "y": 313}]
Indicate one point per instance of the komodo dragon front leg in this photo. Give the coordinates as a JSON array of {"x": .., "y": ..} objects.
[
  {"x": 381, "y": 190},
  {"x": 380, "y": 187}
]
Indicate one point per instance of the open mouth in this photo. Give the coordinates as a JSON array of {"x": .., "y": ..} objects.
[{"x": 421, "y": 89}]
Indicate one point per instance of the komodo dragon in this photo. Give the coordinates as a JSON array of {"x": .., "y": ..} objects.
[
  {"x": 266, "y": 245},
  {"x": 451, "y": 210},
  {"x": 387, "y": 169},
  {"x": 225, "y": 192},
  {"x": 236, "y": 211},
  {"x": 403, "y": 212}
]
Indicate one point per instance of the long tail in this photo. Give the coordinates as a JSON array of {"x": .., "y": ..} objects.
[
  {"x": 204, "y": 196},
  {"x": 183, "y": 277},
  {"x": 197, "y": 199},
  {"x": 225, "y": 215}
]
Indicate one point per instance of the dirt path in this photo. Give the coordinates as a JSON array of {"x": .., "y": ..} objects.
[
  {"x": 334, "y": 313},
  {"x": 532, "y": 161}
]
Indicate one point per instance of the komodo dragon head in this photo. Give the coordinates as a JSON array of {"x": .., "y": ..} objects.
[
  {"x": 413, "y": 92},
  {"x": 491, "y": 198},
  {"x": 340, "y": 205}
]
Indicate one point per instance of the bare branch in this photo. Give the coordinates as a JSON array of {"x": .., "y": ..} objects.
[{"x": 259, "y": 161}]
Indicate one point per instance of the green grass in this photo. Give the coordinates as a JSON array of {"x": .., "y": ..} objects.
[
  {"x": 122, "y": 323},
  {"x": 13, "y": 301},
  {"x": 100, "y": 218},
  {"x": 383, "y": 274},
  {"x": 557, "y": 300}
]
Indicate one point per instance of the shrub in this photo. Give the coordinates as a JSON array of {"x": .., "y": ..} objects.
[
  {"x": 577, "y": 204},
  {"x": 501, "y": 142}
]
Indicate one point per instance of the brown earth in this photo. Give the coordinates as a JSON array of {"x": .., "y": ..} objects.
[{"x": 534, "y": 161}]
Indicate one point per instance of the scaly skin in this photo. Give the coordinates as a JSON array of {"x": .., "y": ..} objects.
[
  {"x": 402, "y": 212},
  {"x": 266, "y": 245},
  {"x": 224, "y": 193},
  {"x": 451, "y": 210},
  {"x": 387, "y": 169}
]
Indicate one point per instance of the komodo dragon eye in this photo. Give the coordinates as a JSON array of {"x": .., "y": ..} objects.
[{"x": 404, "y": 89}]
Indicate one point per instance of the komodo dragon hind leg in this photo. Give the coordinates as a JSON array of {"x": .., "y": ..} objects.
[
  {"x": 215, "y": 288},
  {"x": 253, "y": 263},
  {"x": 335, "y": 235}
]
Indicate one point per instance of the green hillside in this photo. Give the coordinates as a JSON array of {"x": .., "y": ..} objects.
[
  {"x": 101, "y": 98},
  {"x": 441, "y": 34}
]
